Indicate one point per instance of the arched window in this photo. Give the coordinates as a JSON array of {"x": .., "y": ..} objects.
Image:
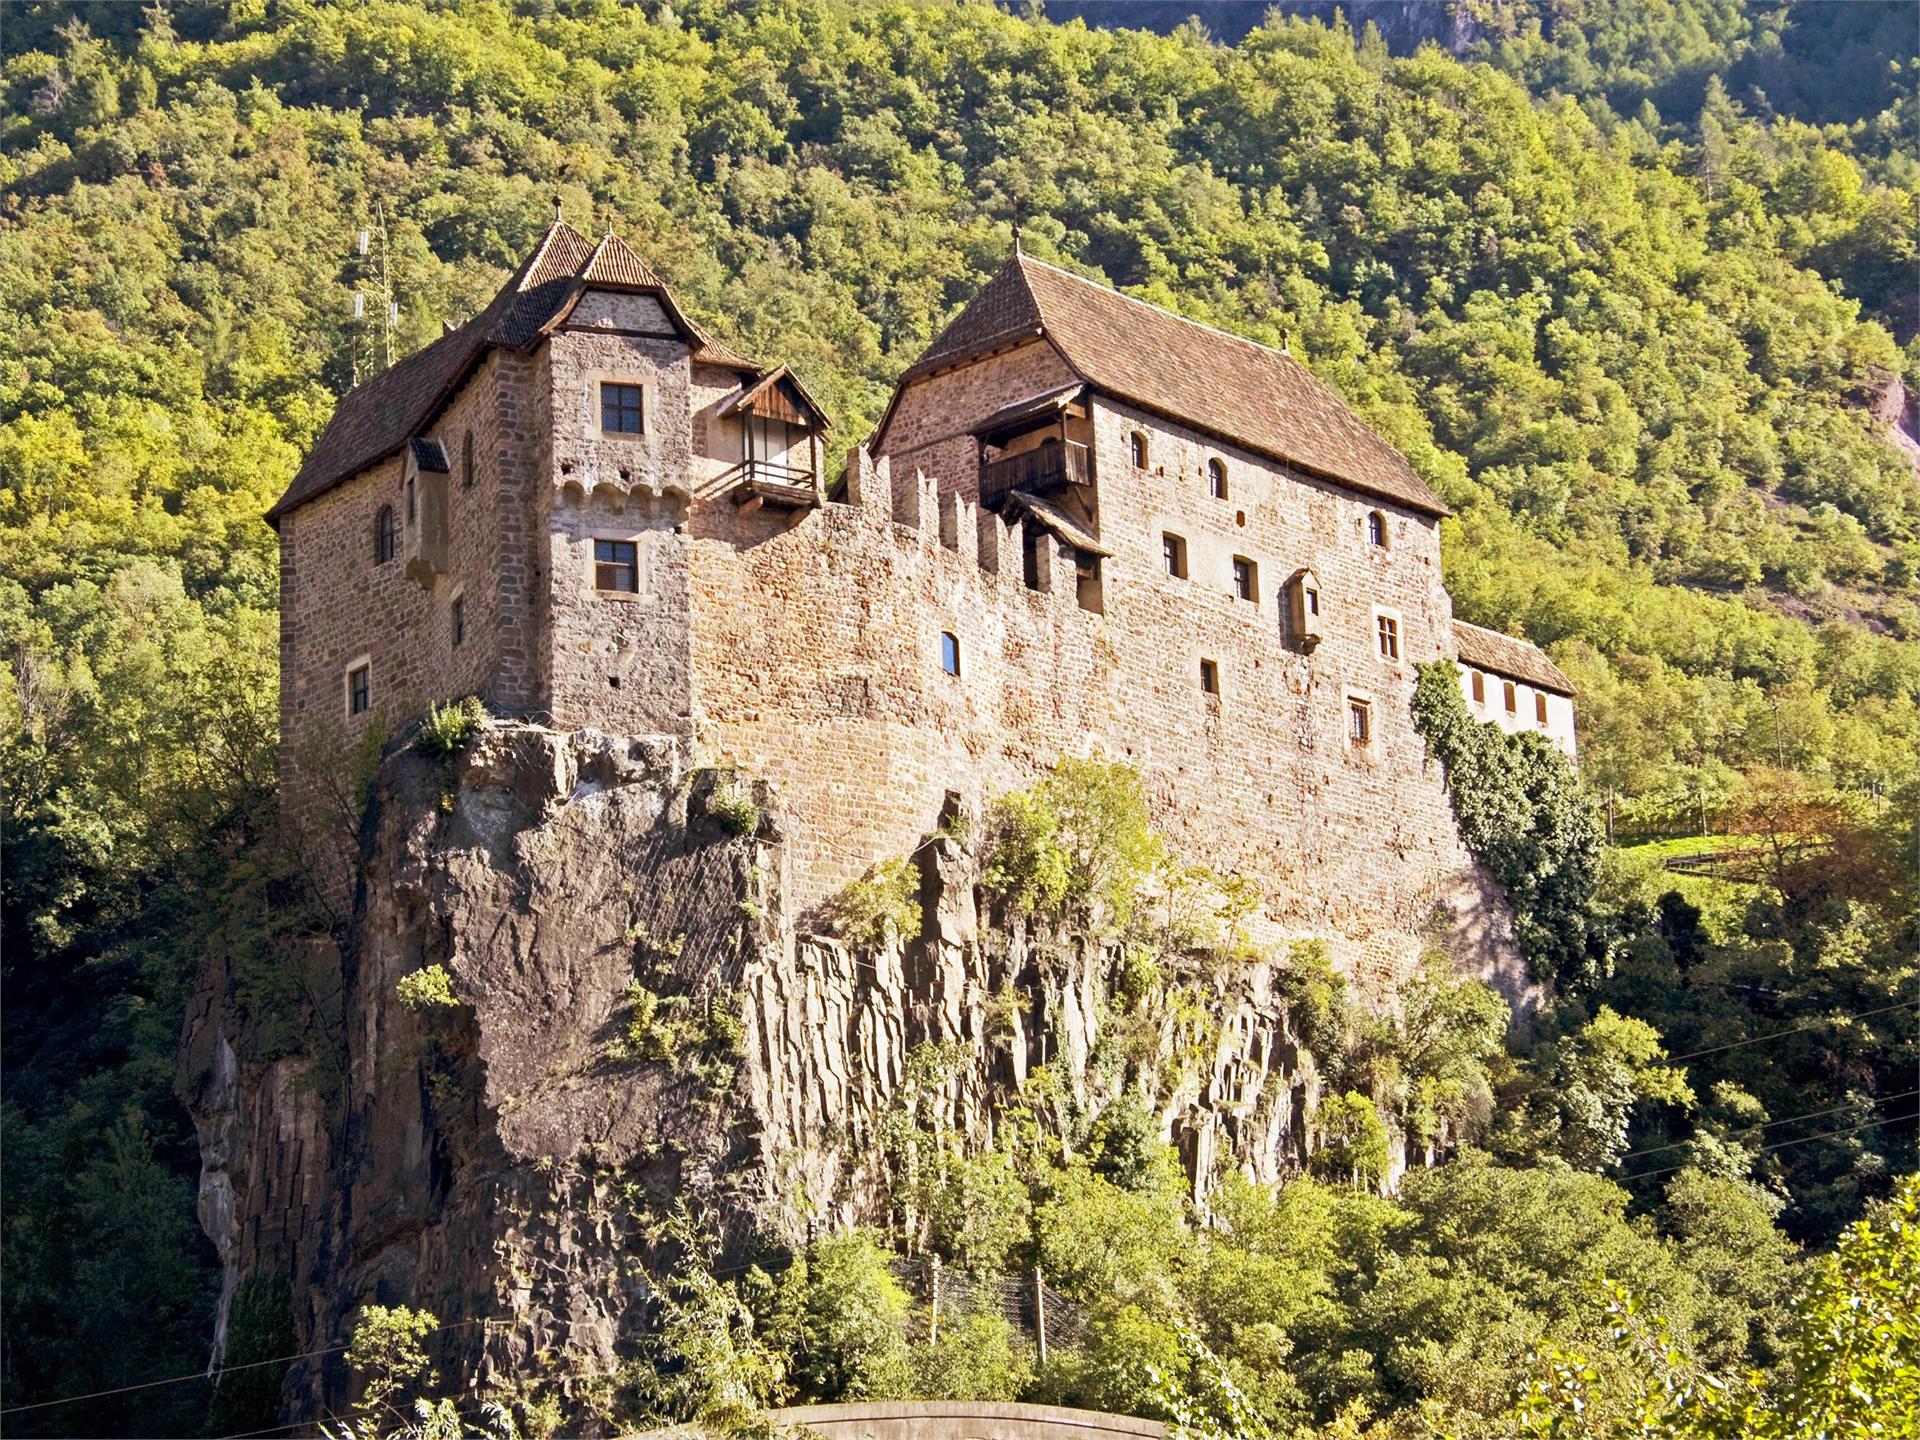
[
  {"x": 1510, "y": 696},
  {"x": 386, "y": 536},
  {"x": 1137, "y": 448},
  {"x": 1217, "y": 478},
  {"x": 1479, "y": 688},
  {"x": 1376, "y": 529}
]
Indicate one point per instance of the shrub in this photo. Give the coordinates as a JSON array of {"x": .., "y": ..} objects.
[
  {"x": 447, "y": 728},
  {"x": 882, "y": 905},
  {"x": 1353, "y": 1141},
  {"x": 1080, "y": 841},
  {"x": 430, "y": 988},
  {"x": 732, "y": 808}
]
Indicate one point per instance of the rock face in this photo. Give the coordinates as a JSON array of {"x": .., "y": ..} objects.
[{"x": 638, "y": 1020}]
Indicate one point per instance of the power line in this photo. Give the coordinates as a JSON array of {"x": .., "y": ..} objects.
[
  {"x": 1787, "y": 1120},
  {"x": 224, "y": 1370},
  {"x": 1785, "y": 1144},
  {"x": 1781, "y": 1034}
]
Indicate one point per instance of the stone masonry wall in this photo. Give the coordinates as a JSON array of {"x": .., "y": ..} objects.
[{"x": 930, "y": 427}]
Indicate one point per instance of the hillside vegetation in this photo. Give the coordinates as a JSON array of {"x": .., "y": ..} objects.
[{"x": 1629, "y": 323}]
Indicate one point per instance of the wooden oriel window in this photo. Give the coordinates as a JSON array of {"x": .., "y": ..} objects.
[
  {"x": 622, "y": 410},
  {"x": 616, "y": 566}
]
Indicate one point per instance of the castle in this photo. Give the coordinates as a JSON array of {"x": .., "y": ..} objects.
[{"x": 1084, "y": 525}]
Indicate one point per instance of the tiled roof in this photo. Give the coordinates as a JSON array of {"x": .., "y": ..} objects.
[
  {"x": 372, "y": 421},
  {"x": 1250, "y": 394},
  {"x": 427, "y": 455},
  {"x": 1506, "y": 655}
]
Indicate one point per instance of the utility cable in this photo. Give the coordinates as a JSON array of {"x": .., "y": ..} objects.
[
  {"x": 1781, "y": 1034},
  {"x": 1785, "y": 1144},
  {"x": 1785, "y": 1120}
]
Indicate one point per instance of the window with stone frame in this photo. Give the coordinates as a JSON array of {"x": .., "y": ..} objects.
[
  {"x": 1246, "y": 579},
  {"x": 1210, "y": 678},
  {"x": 616, "y": 566},
  {"x": 1137, "y": 449},
  {"x": 1173, "y": 554},
  {"x": 359, "y": 689},
  {"x": 386, "y": 535},
  {"x": 1359, "y": 721},
  {"x": 622, "y": 408},
  {"x": 1217, "y": 478},
  {"x": 1376, "y": 529},
  {"x": 1387, "y": 630}
]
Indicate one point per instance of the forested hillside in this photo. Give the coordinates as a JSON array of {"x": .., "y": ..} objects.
[{"x": 1626, "y": 295}]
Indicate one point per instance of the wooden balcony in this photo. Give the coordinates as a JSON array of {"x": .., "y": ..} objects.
[
  {"x": 754, "y": 483},
  {"x": 1047, "y": 468}
]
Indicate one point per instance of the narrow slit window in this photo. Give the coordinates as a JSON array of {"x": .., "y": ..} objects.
[
  {"x": 466, "y": 461},
  {"x": 1173, "y": 551},
  {"x": 1246, "y": 579},
  {"x": 1539, "y": 707},
  {"x": 1217, "y": 478},
  {"x": 1210, "y": 677},
  {"x": 1137, "y": 449},
  {"x": 359, "y": 690},
  {"x": 616, "y": 566},
  {"x": 950, "y": 652},
  {"x": 412, "y": 508},
  {"x": 1510, "y": 696},
  {"x": 1389, "y": 632},
  {"x": 621, "y": 411},
  {"x": 1359, "y": 722},
  {"x": 457, "y": 620}
]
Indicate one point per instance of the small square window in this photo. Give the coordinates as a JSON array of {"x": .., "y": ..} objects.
[
  {"x": 1540, "y": 707},
  {"x": 1246, "y": 579},
  {"x": 616, "y": 565},
  {"x": 1510, "y": 696},
  {"x": 457, "y": 619},
  {"x": 1479, "y": 688},
  {"x": 1389, "y": 634},
  {"x": 1210, "y": 677},
  {"x": 359, "y": 690},
  {"x": 620, "y": 408},
  {"x": 949, "y": 652},
  {"x": 1359, "y": 722},
  {"x": 1174, "y": 551}
]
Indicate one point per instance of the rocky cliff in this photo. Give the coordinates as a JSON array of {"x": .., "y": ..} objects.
[{"x": 572, "y": 997}]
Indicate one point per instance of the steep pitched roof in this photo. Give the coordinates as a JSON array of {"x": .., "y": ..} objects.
[
  {"x": 374, "y": 420},
  {"x": 1509, "y": 656},
  {"x": 1247, "y": 393}
]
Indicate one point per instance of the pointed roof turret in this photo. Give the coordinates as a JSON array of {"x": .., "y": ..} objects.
[
  {"x": 1247, "y": 393},
  {"x": 374, "y": 420}
]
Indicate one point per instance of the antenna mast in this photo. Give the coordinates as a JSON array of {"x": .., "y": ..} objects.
[{"x": 377, "y": 276}]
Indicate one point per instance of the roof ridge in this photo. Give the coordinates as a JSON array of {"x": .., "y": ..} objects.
[
  {"x": 517, "y": 282},
  {"x": 1114, "y": 290}
]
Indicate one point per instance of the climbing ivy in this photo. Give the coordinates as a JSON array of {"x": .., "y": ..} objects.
[{"x": 1522, "y": 813}]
